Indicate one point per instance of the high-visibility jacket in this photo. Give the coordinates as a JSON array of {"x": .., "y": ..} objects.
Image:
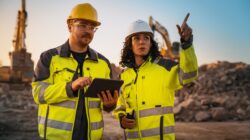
[
  {"x": 149, "y": 91},
  {"x": 57, "y": 102}
]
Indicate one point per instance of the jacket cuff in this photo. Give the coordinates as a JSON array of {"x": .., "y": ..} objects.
[
  {"x": 69, "y": 90},
  {"x": 186, "y": 44},
  {"x": 108, "y": 109}
]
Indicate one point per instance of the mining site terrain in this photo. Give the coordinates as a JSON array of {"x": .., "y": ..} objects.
[{"x": 214, "y": 107}]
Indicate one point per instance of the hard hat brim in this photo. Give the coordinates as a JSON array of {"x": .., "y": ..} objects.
[
  {"x": 97, "y": 23},
  {"x": 151, "y": 35}
]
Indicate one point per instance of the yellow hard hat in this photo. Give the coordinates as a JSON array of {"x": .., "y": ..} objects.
[{"x": 84, "y": 11}]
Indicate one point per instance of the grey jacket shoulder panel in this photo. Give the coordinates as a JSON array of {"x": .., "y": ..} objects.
[
  {"x": 166, "y": 63},
  {"x": 100, "y": 56},
  {"x": 42, "y": 70}
]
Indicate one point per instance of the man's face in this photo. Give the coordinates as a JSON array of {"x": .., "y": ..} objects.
[
  {"x": 141, "y": 44},
  {"x": 82, "y": 32}
]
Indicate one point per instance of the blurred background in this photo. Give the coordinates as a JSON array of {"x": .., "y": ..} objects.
[
  {"x": 221, "y": 28},
  {"x": 216, "y": 105}
]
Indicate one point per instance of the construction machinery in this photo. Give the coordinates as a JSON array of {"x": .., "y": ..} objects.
[
  {"x": 21, "y": 65},
  {"x": 168, "y": 50}
]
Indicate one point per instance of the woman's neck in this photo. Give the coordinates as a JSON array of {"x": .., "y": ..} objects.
[{"x": 139, "y": 60}]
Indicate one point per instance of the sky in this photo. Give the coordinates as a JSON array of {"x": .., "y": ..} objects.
[{"x": 220, "y": 27}]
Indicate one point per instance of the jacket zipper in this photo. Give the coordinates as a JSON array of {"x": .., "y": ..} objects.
[
  {"x": 137, "y": 110},
  {"x": 161, "y": 128},
  {"x": 86, "y": 104},
  {"x": 136, "y": 72},
  {"x": 45, "y": 123}
]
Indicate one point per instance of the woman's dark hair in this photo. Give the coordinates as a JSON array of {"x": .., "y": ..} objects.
[{"x": 127, "y": 55}]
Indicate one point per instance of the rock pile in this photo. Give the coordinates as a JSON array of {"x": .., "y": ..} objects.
[
  {"x": 18, "y": 113},
  {"x": 221, "y": 93}
]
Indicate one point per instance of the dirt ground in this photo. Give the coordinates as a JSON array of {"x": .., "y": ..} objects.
[
  {"x": 18, "y": 121},
  {"x": 190, "y": 131},
  {"x": 213, "y": 131},
  {"x": 25, "y": 129}
]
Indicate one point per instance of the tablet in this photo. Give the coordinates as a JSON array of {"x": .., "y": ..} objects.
[{"x": 100, "y": 84}]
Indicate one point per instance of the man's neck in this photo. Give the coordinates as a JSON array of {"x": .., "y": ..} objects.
[{"x": 77, "y": 47}]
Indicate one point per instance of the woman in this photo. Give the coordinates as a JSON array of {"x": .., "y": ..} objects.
[{"x": 145, "y": 107}]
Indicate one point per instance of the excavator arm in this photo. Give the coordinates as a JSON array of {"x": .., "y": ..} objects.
[{"x": 165, "y": 51}]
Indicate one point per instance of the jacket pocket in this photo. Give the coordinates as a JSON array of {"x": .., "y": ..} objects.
[{"x": 63, "y": 74}]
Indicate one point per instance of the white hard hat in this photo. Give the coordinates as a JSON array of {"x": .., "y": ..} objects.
[{"x": 138, "y": 26}]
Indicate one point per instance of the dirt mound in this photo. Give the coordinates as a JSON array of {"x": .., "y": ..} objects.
[
  {"x": 18, "y": 113},
  {"x": 221, "y": 93}
]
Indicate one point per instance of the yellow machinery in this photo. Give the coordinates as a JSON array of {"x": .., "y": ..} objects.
[
  {"x": 21, "y": 65},
  {"x": 169, "y": 50}
]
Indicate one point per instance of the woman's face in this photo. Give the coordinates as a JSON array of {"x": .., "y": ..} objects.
[{"x": 141, "y": 44}]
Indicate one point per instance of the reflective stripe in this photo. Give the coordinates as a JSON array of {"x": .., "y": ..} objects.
[
  {"x": 41, "y": 92},
  {"x": 97, "y": 125},
  {"x": 41, "y": 120},
  {"x": 34, "y": 90},
  {"x": 156, "y": 131},
  {"x": 187, "y": 75},
  {"x": 132, "y": 135},
  {"x": 94, "y": 104},
  {"x": 156, "y": 60},
  {"x": 55, "y": 124},
  {"x": 155, "y": 111},
  {"x": 150, "y": 132},
  {"x": 67, "y": 104}
]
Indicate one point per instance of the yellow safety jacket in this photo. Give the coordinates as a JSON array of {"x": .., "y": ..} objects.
[
  {"x": 57, "y": 102},
  {"x": 149, "y": 91}
]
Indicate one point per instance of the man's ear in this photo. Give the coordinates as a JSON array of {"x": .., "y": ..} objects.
[{"x": 69, "y": 26}]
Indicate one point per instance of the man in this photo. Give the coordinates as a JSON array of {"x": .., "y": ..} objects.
[
  {"x": 145, "y": 107},
  {"x": 61, "y": 78}
]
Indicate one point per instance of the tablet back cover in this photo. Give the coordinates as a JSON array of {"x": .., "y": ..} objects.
[{"x": 100, "y": 84}]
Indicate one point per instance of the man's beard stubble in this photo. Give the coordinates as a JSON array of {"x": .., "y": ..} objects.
[{"x": 85, "y": 35}]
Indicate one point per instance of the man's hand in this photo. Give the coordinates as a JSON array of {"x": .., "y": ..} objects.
[
  {"x": 107, "y": 99},
  {"x": 185, "y": 31},
  {"x": 128, "y": 123},
  {"x": 80, "y": 83}
]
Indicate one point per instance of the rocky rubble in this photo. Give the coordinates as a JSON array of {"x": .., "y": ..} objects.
[
  {"x": 18, "y": 113},
  {"x": 221, "y": 93}
]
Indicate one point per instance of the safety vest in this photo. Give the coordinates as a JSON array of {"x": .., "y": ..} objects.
[
  {"x": 57, "y": 103},
  {"x": 149, "y": 91}
]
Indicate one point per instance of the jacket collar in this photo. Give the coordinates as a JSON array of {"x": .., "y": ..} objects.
[
  {"x": 146, "y": 61},
  {"x": 132, "y": 64},
  {"x": 64, "y": 51}
]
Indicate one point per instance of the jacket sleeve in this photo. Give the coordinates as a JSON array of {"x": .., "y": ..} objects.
[
  {"x": 108, "y": 75},
  {"x": 187, "y": 69},
  {"x": 44, "y": 90},
  {"x": 122, "y": 106}
]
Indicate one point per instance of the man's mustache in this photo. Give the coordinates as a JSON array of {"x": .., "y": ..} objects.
[{"x": 85, "y": 34}]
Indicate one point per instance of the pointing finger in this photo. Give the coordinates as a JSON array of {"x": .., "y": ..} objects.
[{"x": 186, "y": 18}]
